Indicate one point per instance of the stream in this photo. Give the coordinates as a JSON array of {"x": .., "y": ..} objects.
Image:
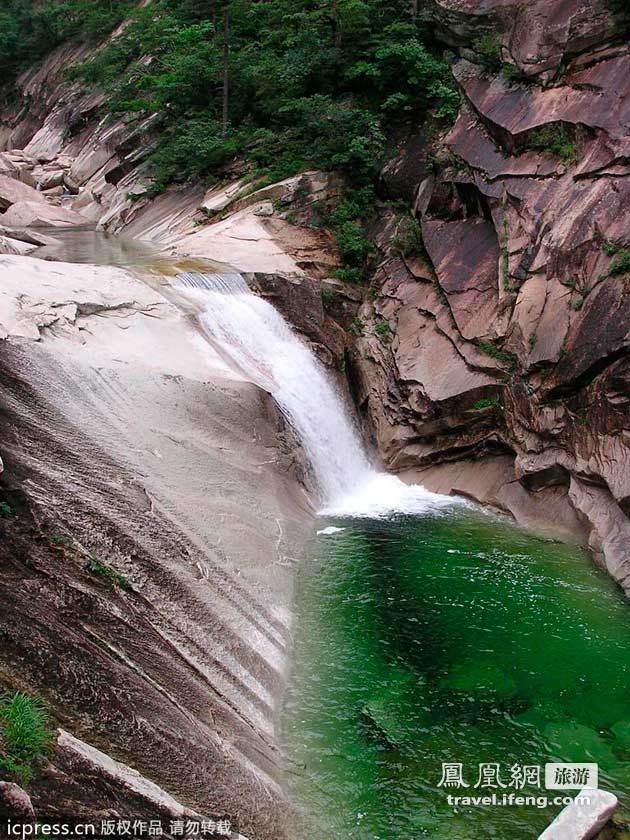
[
  {"x": 450, "y": 638},
  {"x": 428, "y": 632}
]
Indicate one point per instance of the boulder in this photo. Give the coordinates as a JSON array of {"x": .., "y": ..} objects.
[
  {"x": 584, "y": 817},
  {"x": 7, "y": 167},
  {"x": 13, "y": 191},
  {"x": 15, "y": 802},
  {"x": 218, "y": 198},
  {"x": 42, "y": 215},
  {"x": 50, "y": 180},
  {"x": 15, "y": 246},
  {"x": 30, "y": 236}
]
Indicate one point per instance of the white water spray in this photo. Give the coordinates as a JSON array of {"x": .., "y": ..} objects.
[{"x": 262, "y": 346}]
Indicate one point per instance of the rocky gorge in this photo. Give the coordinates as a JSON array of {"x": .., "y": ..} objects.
[{"x": 150, "y": 561}]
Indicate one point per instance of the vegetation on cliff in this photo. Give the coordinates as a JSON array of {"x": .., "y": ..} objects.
[
  {"x": 25, "y": 734},
  {"x": 284, "y": 84}
]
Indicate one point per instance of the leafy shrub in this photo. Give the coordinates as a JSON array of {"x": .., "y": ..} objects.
[
  {"x": 352, "y": 243},
  {"x": 488, "y": 46},
  {"x": 382, "y": 328},
  {"x": 349, "y": 275},
  {"x": 620, "y": 263},
  {"x": 512, "y": 73},
  {"x": 97, "y": 568},
  {"x": 25, "y": 733},
  {"x": 554, "y": 138}
]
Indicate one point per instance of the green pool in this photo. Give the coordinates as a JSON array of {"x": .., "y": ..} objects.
[{"x": 450, "y": 639}]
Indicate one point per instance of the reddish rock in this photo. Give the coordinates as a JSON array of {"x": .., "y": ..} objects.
[
  {"x": 15, "y": 802},
  {"x": 521, "y": 240},
  {"x": 466, "y": 259},
  {"x": 13, "y": 191}
]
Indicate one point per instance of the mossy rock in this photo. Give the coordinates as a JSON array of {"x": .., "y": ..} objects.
[
  {"x": 540, "y": 714},
  {"x": 598, "y": 708},
  {"x": 384, "y": 718},
  {"x": 392, "y": 711}
]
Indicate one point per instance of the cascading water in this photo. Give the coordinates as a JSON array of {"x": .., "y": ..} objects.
[{"x": 262, "y": 346}]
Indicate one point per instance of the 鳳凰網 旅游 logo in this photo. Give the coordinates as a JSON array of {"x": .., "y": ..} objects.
[{"x": 495, "y": 784}]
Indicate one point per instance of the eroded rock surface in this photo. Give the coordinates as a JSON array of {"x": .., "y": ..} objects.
[
  {"x": 508, "y": 340},
  {"x": 152, "y": 522}
]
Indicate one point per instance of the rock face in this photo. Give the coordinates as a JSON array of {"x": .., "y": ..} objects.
[
  {"x": 504, "y": 369},
  {"x": 150, "y": 520}
]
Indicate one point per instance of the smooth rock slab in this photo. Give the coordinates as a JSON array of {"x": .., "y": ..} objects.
[
  {"x": 15, "y": 246},
  {"x": 32, "y": 214},
  {"x": 579, "y": 821},
  {"x": 12, "y": 191}
]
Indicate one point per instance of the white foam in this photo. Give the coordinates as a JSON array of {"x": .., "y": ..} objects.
[
  {"x": 256, "y": 339},
  {"x": 328, "y": 532},
  {"x": 381, "y": 495}
]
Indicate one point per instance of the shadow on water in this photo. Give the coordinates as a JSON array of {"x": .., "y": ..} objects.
[{"x": 450, "y": 638}]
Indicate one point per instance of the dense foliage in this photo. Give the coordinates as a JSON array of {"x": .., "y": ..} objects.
[
  {"x": 282, "y": 85},
  {"x": 29, "y": 29},
  {"x": 286, "y": 83}
]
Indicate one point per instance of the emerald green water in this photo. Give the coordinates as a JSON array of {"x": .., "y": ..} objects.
[{"x": 454, "y": 638}]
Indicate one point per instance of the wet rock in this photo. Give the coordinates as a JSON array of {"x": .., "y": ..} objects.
[
  {"x": 579, "y": 743},
  {"x": 609, "y": 528},
  {"x": 177, "y": 674}
]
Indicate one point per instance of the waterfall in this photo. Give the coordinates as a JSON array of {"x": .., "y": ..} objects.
[{"x": 253, "y": 335}]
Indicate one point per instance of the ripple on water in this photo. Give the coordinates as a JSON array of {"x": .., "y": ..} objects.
[{"x": 450, "y": 637}]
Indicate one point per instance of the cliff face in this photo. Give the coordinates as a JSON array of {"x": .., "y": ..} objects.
[
  {"x": 149, "y": 521},
  {"x": 502, "y": 371},
  {"x": 505, "y": 370}
]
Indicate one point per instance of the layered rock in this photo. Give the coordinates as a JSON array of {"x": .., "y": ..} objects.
[
  {"x": 150, "y": 520},
  {"x": 504, "y": 363}
]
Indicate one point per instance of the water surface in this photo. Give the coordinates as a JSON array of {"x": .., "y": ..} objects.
[
  {"x": 454, "y": 637},
  {"x": 96, "y": 247}
]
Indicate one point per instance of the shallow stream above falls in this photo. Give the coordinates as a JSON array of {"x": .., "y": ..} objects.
[
  {"x": 452, "y": 637},
  {"x": 99, "y": 247}
]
